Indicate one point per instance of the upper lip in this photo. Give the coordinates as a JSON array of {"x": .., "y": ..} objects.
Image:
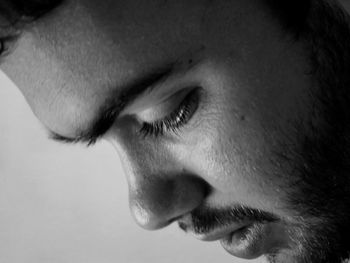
[{"x": 214, "y": 234}]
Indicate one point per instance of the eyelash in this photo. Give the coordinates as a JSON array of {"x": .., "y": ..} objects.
[{"x": 175, "y": 120}]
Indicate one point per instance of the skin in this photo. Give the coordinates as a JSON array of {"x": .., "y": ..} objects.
[{"x": 254, "y": 86}]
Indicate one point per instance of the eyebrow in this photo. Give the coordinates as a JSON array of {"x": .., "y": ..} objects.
[{"x": 115, "y": 103}]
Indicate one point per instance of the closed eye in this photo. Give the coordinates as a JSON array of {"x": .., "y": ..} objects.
[{"x": 176, "y": 119}]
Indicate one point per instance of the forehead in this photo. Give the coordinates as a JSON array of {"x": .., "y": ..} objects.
[
  {"x": 71, "y": 58},
  {"x": 66, "y": 63}
]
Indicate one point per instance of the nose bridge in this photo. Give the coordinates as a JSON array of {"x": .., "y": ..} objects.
[{"x": 160, "y": 191}]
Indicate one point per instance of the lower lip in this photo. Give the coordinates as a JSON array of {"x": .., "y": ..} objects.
[{"x": 248, "y": 242}]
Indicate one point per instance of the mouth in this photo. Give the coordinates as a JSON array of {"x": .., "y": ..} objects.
[
  {"x": 251, "y": 241},
  {"x": 247, "y": 240}
]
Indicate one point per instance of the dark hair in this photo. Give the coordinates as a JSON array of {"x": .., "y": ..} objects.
[
  {"x": 16, "y": 11},
  {"x": 15, "y": 14},
  {"x": 292, "y": 14}
]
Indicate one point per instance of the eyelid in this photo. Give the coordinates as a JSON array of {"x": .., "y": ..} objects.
[
  {"x": 176, "y": 119},
  {"x": 161, "y": 91},
  {"x": 156, "y": 96},
  {"x": 163, "y": 108}
]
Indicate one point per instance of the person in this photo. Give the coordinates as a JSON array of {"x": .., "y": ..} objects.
[{"x": 231, "y": 118}]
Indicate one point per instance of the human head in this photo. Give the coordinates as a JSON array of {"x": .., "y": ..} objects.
[{"x": 244, "y": 128}]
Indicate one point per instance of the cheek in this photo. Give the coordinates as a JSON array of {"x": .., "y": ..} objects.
[
  {"x": 239, "y": 145},
  {"x": 247, "y": 155}
]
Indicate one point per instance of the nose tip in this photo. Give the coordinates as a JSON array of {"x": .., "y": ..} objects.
[{"x": 158, "y": 202}]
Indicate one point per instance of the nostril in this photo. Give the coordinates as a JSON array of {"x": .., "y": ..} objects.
[
  {"x": 150, "y": 219},
  {"x": 157, "y": 203},
  {"x": 207, "y": 189}
]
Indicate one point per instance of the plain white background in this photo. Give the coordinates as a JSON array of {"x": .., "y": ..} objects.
[{"x": 68, "y": 204}]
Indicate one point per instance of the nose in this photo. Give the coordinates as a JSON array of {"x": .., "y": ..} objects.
[
  {"x": 161, "y": 189},
  {"x": 156, "y": 201}
]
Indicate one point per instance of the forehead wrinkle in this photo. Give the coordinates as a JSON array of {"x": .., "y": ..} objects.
[
  {"x": 58, "y": 38},
  {"x": 83, "y": 60}
]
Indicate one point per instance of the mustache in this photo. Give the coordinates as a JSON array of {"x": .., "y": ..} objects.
[{"x": 206, "y": 219}]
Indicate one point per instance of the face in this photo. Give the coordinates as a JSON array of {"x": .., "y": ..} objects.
[{"x": 216, "y": 111}]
